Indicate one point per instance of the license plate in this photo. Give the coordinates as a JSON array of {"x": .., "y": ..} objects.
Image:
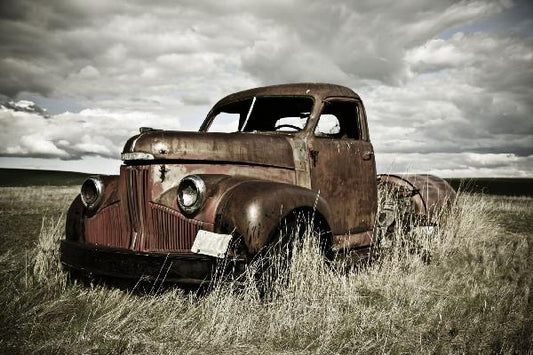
[{"x": 212, "y": 244}]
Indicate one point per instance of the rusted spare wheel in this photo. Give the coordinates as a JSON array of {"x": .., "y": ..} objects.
[{"x": 407, "y": 200}]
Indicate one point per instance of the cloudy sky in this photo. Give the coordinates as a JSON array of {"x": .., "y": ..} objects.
[{"x": 448, "y": 86}]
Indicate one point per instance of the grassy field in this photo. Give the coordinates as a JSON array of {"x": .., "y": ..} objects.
[{"x": 473, "y": 297}]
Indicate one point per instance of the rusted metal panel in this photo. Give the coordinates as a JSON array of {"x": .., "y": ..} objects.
[
  {"x": 219, "y": 178},
  {"x": 266, "y": 150},
  {"x": 429, "y": 193},
  {"x": 254, "y": 209},
  {"x": 74, "y": 226},
  {"x": 107, "y": 228},
  {"x": 347, "y": 182},
  {"x": 436, "y": 192},
  {"x": 176, "y": 171}
]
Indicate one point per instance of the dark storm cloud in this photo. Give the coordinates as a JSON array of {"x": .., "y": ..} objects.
[
  {"x": 355, "y": 40},
  {"x": 279, "y": 41},
  {"x": 439, "y": 78}
]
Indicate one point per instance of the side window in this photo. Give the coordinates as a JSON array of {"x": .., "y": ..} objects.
[
  {"x": 339, "y": 119},
  {"x": 328, "y": 126}
]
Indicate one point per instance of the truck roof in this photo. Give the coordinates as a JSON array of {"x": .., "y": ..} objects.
[{"x": 319, "y": 91}]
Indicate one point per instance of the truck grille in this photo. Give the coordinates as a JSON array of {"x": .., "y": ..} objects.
[
  {"x": 170, "y": 230},
  {"x": 139, "y": 224}
]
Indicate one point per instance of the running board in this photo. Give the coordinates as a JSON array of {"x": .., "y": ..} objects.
[{"x": 352, "y": 241}]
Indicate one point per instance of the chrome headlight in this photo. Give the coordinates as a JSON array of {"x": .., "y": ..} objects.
[
  {"x": 191, "y": 194},
  {"x": 91, "y": 192}
]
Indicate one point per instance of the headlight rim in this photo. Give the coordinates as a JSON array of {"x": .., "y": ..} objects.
[
  {"x": 99, "y": 187},
  {"x": 200, "y": 187}
]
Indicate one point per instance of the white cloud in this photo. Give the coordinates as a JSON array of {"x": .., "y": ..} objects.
[
  {"x": 91, "y": 132},
  {"x": 456, "y": 164},
  {"x": 456, "y": 101},
  {"x": 439, "y": 54}
]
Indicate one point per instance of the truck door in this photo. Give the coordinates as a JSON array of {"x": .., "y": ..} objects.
[{"x": 342, "y": 165}]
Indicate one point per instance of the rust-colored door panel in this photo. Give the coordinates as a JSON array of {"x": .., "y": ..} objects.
[{"x": 344, "y": 178}]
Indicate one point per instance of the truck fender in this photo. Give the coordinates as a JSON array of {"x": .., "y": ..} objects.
[
  {"x": 74, "y": 227},
  {"x": 74, "y": 222},
  {"x": 255, "y": 208}
]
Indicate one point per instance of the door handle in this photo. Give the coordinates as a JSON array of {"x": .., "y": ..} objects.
[{"x": 368, "y": 155}]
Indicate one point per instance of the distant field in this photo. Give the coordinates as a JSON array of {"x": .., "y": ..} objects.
[
  {"x": 494, "y": 186},
  {"x": 26, "y": 177},
  {"x": 489, "y": 186}
]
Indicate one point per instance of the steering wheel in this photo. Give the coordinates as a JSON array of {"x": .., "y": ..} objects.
[{"x": 286, "y": 125}]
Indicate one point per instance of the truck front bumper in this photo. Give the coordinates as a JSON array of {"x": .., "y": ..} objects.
[{"x": 128, "y": 264}]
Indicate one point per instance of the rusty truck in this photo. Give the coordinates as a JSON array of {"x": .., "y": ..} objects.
[{"x": 183, "y": 201}]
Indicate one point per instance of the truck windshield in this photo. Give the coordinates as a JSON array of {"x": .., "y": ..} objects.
[{"x": 272, "y": 113}]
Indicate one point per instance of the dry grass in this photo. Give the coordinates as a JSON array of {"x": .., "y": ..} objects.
[{"x": 472, "y": 297}]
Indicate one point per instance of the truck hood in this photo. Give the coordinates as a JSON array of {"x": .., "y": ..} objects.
[{"x": 247, "y": 148}]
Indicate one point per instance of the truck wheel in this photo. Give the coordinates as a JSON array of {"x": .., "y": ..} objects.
[
  {"x": 400, "y": 232},
  {"x": 274, "y": 263},
  {"x": 396, "y": 218}
]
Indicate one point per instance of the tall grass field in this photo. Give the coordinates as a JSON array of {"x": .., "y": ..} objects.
[{"x": 472, "y": 296}]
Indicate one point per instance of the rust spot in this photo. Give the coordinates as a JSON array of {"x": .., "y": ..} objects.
[{"x": 162, "y": 172}]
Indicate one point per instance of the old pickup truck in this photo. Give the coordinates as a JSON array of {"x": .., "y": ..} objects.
[{"x": 183, "y": 201}]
